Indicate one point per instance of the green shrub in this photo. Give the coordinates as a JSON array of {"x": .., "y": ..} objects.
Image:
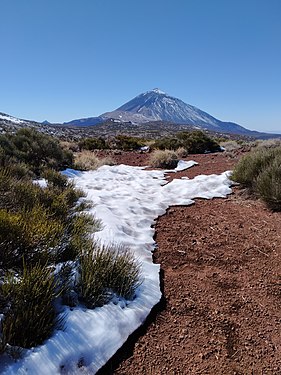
[
  {"x": 31, "y": 316},
  {"x": 268, "y": 184},
  {"x": 31, "y": 234},
  {"x": 168, "y": 143},
  {"x": 105, "y": 271},
  {"x": 252, "y": 164},
  {"x": 91, "y": 144},
  {"x": 128, "y": 143},
  {"x": 55, "y": 178},
  {"x": 163, "y": 159},
  {"x": 195, "y": 142},
  {"x": 81, "y": 228},
  {"x": 35, "y": 149}
]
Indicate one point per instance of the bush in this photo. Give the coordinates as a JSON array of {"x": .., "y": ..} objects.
[
  {"x": 87, "y": 160},
  {"x": 250, "y": 166},
  {"x": 31, "y": 317},
  {"x": 182, "y": 152},
  {"x": 260, "y": 172},
  {"x": 198, "y": 142},
  {"x": 195, "y": 142},
  {"x": 268, "y": 184},
  {"x": 91, "y": 144},
  {"x": 127, "y": 143},
  {"x": 31, "y": 234},
  {"x": 268, "y": 143},
  {"x": 168, "y": 143},
  {"x": 35, "y": 149},
  {"x": 163, "y": 159},
  {"x": 105, "y": 271}
]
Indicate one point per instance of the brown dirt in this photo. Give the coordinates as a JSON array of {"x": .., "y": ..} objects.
[{"x": 220, "y": 262}]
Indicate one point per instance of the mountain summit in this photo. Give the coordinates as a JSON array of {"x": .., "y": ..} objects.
[{"x": 156, "y": 105}]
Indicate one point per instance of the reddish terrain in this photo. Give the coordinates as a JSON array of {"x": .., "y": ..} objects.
[{"x": 221, "y": 281}]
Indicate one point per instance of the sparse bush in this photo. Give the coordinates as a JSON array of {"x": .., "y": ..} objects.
[
  {"x": 91, "y": 144},
  {"x": 198, "y": 142},
  {"x": 260, "y": 172},
  {"x": 55, "y": 178},
  {"x": 249, "y": 166},
  {"x": 268, "y": 184},
  {"x": 168, "y": 143},
  {"x": 31, "y": 316},
  {"x": 163, "y": 159},
  {"x": 231, "y": 146},
  {"x": 30, "y": 234},
  {"x": 128, "y": 143},
  {"x": 268, "y": 143},
  {"x": 105, "y": 271},
  {"x": 182, "y": 152},
  {"x": 35, "y": 149},
  {"x": 87, "y": 160},
  {"x": 195, "y": 142},
  {"x": 81, "y": 227}
]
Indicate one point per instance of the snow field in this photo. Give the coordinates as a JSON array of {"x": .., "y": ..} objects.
[{"x": 128, "y": 200}]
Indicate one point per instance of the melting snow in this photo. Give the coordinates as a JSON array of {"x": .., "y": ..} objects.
[
  {"x": 10, "y": 118},
  {"x": 128, "y": 200}
]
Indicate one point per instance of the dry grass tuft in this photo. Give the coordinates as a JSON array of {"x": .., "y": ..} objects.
[
  {"x": 163, "y": 159},
  {"x": 88, "y": 160}
]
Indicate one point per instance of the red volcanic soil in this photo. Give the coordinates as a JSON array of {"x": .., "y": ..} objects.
[{"x": 221, "y": 279}]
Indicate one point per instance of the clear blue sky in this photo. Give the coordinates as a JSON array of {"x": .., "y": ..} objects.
[{"x": 66, "y": 59}]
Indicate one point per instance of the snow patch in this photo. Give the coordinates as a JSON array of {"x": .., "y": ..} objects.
[
  {"x": 128, "y": 200},
  {"x": 11, "y": 118}
]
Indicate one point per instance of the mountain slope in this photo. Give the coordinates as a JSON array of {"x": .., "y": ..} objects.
[
  {"x": 13, "y": 123},
  {"x": 156, "y": 105}
]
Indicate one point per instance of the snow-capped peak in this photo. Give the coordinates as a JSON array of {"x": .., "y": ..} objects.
[{"x": 158, "y": 91}]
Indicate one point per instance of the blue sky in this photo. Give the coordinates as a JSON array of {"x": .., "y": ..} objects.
[{"x": 66, "y": 59}]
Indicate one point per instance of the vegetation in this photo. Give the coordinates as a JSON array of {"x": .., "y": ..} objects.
[
  {"x": 33, "y": 148},
  {"x": 128, "y": 143},
  {"x": 42, "y": 225},
  {"x": 195, "y": 142},
  {"x": 105, "y": 271},
  {"x": 31, "y": 316},
  {"x": 92, "y": 144},
  {"x": 163, "y": 159},
  {"x": 260, "y": 172},
  {"x": 87, "y": 160}
]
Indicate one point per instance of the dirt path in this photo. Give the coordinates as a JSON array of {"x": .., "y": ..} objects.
[{"x": 221, "y": 272}]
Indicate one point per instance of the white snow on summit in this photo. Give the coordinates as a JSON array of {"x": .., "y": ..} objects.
[{"x": 11, "y": 118}]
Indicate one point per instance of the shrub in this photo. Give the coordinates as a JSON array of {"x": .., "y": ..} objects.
[
  {"x": 87, "y": 160},
  {"x": 163, "y": 159},
  {"x": 231, "y": 146},
  {"x": 31, "y": 317},
  {"x": 249, "y": 166},
  {"x": 35, "y": 149},
  {"x": 268, "y": 184},
  {"x": 269, "y": 143},
  {"x": 195, "y": 142},
  {"x": 31, "y": 234},
  {"x": 182, "y": 152},
  {"x": 91, "y": 144},
  {"x": 81, "y": 228},
  {"x": 168, "y": 143},
  {"x": 105, "y": 271},
  {"x": 127, "y": 143}
]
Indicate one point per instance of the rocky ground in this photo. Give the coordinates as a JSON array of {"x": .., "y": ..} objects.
[{"x": 221, "y": 283}]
